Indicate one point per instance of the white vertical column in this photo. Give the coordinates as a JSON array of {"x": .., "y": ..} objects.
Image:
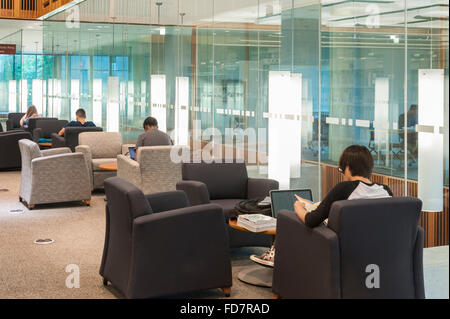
[
  {"x": 294, "y": 124},
  {"x": 50, "y": 97},
  {"x": 38, "y": 95},
  {"x": 431, "y": 139},
  {"x": 57, "y": 91},
  {"x": 112, "y": 115},
  {"x": 381, "y": 123},
  {"x": 279, "y": 163},
  {"x": 54, "y": 93},
  {"x": 182, "y": 111},
  {"x": 23, "y": 88},
  {"x": 130, "y": 100},
  {"x": 12, "y": 88},
  {"x": 143, "y": 94},
  {"x": 74, "y": 97},
  {"x": 97, "y": 95},
  {"x": 158, "y": 107}
]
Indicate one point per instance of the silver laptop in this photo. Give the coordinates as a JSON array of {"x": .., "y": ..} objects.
[{"x": 285, "y": 199}]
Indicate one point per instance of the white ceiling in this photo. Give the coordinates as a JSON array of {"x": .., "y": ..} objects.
[
  {"x": 10, "y": 32},
  {"x": 335, "y": 13}
]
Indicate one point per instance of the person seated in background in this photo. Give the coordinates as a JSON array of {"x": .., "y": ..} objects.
[
  {"x": 356, "y": 165},
  {"x": 412, "y": 119},
  {"x": 80, "y": 122},
  {"x": 31, "y": 112},
  {"x": 152, "y": 136}
]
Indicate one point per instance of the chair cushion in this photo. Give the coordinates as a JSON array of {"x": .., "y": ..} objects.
[
  {"x": 102, "y": 144},
  {"x": 99, "y": 161},
  {"x": 226, "y": 204},
  {"x": 224, "y": 180},
  {"x": 48, "y": 127}
]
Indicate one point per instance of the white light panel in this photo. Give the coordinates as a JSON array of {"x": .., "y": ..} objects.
[
  {"x": 182, "y": 111},
  {"x": 431, "y": 145},
  {"x": 112, "y": 115},
  {"x": 158, "y": 92}
]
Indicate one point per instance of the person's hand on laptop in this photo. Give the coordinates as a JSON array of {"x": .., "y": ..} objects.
[{"x": 300, "y": 210}]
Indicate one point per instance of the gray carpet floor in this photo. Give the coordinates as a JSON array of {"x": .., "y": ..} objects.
[{"x": 28, "y": 270}]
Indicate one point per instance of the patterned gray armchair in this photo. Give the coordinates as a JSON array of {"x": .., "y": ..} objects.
[
  {"x": 153, "y": 171},
  {"x": 52, "y": 176},
  {"x": 100, "y": 148}
]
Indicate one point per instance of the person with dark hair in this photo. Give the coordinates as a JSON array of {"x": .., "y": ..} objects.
[
  {"x": 356, "y": 165},
  {"x": 152, "y": 136},
  {"x": 412, "y": 119},
  {"x": 80, "y": 115},
  {"x": 31, "y": 112}
]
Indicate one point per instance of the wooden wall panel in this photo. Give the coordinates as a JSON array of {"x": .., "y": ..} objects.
[
  {"x": 28, "y": 9},
  {"x": 435, "y": 224}
]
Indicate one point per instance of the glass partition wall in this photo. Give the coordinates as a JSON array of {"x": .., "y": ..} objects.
[
  {"x": 225, "y": 77},
  {"x": 11, "y": 75},
  {"x": 284, "y": 84}
]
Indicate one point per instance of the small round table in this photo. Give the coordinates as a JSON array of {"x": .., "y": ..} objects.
[
  {"x": 108, "y": 167},
  {"x": 257, "y": 275}
]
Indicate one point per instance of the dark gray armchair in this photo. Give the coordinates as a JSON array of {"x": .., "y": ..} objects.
[
  {"x": 45, "y": 128},
  {"x": 332, "y": 262},
  {"x": 9, "y": 149},
  {"x": 70, "y": 138},
  {"x": 32, "y": 123},
  {"x": 226, "y": 184},
  {"x": 156, "y": 245},
  {"x": 13, "y": 122}
]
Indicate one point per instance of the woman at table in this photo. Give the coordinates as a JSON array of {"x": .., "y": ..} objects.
[
  {"x": 31, "y": 112},
  {"x": 356, "y": 165}
]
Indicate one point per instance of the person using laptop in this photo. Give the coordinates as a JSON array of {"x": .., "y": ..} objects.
[
  {"x": 356, "y": 165},
  {"x": 80, "y": 115},
  {"x": 152, "y": 136}
]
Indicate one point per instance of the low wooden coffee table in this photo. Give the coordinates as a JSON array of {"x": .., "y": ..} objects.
[
  {"x": 108, "y": 167},
  {"x": 258, "y": 275}
]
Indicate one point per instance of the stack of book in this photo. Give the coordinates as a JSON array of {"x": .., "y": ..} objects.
[{"x": 257, "y": 222}]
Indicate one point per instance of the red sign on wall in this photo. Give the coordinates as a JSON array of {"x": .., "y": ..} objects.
[{"x": 7, "y": 49}]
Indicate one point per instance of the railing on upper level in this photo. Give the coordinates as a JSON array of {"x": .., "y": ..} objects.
[{"x": 28, "y": 9}]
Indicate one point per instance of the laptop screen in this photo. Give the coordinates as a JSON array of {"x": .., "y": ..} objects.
[
  {"x": 285, "y": 199},
  {"x": 132, "y": 151}
]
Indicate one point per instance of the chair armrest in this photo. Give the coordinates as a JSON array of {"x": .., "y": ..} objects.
[
  {"x": 58, "y": 141},
  {"x": 161, "y": 202},
  {"x": 125, "y": 147},
  {"x": 418, "y": 264},
  {"x": 56, "y": 151},
  {"x": 86, "y": 151},
  {"x": 306, "y": 260},
  {"x": 189, "y": 250},
  {"x": 9, "y": 125},
  {"x": 197, "y": 192},
  {"x": 37, "y": 134},
  {"x": 260, "y": 188},
  {"x": 58, "y": 172},
  {"x": 129, "y": 170}
]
